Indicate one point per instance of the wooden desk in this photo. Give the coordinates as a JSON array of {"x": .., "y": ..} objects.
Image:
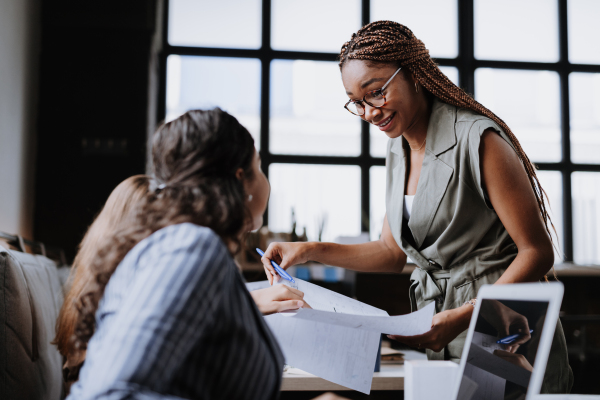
[{"x": 391, "y": 377}]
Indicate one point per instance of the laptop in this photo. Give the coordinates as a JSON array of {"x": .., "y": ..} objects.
[{"x": 508, "y": 342}]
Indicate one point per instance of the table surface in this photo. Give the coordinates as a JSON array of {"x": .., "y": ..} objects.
[{"x": 391, "y": 377}]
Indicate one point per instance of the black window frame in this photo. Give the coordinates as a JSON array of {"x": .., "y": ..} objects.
[{"x": 465, "y": 62}]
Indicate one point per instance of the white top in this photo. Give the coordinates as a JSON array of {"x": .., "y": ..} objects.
[{"x": 408, "y": 202}]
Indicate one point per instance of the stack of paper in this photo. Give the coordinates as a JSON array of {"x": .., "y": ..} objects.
[{"x": 338, "y": 338}]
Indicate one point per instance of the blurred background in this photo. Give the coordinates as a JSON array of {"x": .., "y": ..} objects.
[{"x": 84, "y": 84}]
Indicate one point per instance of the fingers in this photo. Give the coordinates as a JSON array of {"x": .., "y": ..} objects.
[
  {"x": 503, "y": 353},
  {"x": 289, "y": 305},
  {"x": 414, "y": 341},
  {"x": 330, "y": 396},
  {"x": 296, "y": 291},
  {"x": 284, "y": 292},
  {"x": 512, "y": 348},
  {"x": 269, "y": 275},
  {"x": 524, "y": 336}
]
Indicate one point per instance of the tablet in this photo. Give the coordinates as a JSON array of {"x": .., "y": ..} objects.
[{"x": 508, "y": 342}]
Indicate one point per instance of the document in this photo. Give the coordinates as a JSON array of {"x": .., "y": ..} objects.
[
  {"x": 486, "y": 385},
  {"x": 487, "y": 361},
  {"x": 338, "y": 338}
]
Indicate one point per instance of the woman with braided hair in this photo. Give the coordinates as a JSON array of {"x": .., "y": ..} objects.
[{"x": 462, "y": 198}]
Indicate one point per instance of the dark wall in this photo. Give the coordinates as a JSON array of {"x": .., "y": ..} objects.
[{"x": 93, "y": 110}]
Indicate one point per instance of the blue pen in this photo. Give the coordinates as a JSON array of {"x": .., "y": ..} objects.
[
  {"x": 511, "y": 338},
  {"x": 279, "y": 270}
]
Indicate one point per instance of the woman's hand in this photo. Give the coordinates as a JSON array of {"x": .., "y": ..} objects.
[
  {"x": 517, "y": 359},
  {"x": 506, "y": 322},
  {"x": 285, "y": 254},
  {"x": 278, "y": 298},
  {"x": 330, "y": 396},
  {"x": 445, "y": 326}
]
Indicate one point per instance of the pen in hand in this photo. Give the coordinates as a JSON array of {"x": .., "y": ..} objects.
[{"x": 282, "y": 273}]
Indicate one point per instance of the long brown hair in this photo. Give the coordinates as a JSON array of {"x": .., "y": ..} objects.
[
  {"x": 119, "y": 206},
  {"x": 195, "y": 159},
  {"x": 388, "y": 42}
]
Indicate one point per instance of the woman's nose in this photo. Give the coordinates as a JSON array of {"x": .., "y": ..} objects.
[{"x": 371, "y": 113}]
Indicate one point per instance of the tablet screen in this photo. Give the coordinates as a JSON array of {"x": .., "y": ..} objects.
[{"x": 502, "y": 352}]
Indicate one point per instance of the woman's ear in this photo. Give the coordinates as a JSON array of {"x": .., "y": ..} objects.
[{"x": 239, "y": 174}]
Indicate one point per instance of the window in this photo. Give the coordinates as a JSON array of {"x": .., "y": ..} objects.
[{"x": 272, "y": 64}]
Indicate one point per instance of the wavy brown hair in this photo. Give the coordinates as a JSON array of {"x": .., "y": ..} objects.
[
  {"x": 388, "y": 42},
  {"x": 195, "y": 159},
  {"x": 119, "y": 206}
]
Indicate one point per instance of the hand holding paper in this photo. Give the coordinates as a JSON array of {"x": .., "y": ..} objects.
[{"x": 445, "y": 326}]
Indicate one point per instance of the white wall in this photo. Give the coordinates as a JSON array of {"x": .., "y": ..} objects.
[{"x": 19, "y": 44}]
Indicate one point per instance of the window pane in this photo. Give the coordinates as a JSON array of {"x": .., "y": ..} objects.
[
  {"x": 307, "y": 110},
  {"x": 379, "y": 139},
  {"x": 516, "y": 30},
  {"x": 552, "y": 183},
  {"x": 233, "y": 84},
  {"x": 313, "y": 25},
  {"x": 586, "y": 217},
  {"x": 584, "y": 35},
  {"x": 584, "y": 92},
  {"x": 435, "y": 22},
  {"x": 224, "y": 23},
  {"x": 316, "y": 193},
  {"x": 528, "y": 101},
  {"x": 377, "y": 200}
]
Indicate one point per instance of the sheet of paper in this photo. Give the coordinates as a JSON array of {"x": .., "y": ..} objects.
[
  {"x": 468, "y": 387},
  {"x": 415, "y": 323},
  {"x": 481, "y": 358},
  {"x": 327, "y": 300},
  {"x": 490, "y": 387},
  {"x": 336, "y": 353},
  {"x": 328, "y": 342},
  {"x": 487, "y": 342}
]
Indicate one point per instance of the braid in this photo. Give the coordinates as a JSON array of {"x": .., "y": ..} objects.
[{"x": 391, "y": 42}]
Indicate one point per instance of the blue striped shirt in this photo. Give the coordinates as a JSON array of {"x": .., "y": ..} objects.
[{"x": 176, "y": 321}]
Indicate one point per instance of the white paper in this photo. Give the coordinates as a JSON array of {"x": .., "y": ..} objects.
[
  {"x": 497, "y": 366},
  {"x": 338, "y": 338},
  {"x": 338, "y": 354},
  {"x": 488, "y": 385},
  {"x": 411, "y": 324},
  {"x": 487, "y": 342}
]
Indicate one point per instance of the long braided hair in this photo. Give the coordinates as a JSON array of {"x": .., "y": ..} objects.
[{"x": 389, "y": 42}]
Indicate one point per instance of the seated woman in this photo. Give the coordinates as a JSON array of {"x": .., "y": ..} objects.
[
  {"x": 126, "y": 196},
  {"x": 175, "y": 319}
]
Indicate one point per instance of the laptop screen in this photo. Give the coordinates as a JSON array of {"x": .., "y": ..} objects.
[{"x": 502, "y": 352}]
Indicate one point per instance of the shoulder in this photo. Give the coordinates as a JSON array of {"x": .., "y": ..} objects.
[
  {"x": 186, "y": 235},
  {"x": 188, "y": 240},
  {"x": 471, "y": 127},
  {"x": 470, "y": 123}
]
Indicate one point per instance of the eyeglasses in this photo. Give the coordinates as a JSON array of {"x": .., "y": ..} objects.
[{"x": 374, "y": 98}]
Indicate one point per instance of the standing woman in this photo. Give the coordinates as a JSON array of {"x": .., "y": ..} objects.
[{"x": 462, "y": 198}]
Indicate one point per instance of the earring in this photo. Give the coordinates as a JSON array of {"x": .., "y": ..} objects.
[
  {"x": 417, "y": 87},
  {"x": 250, "y": 198}
]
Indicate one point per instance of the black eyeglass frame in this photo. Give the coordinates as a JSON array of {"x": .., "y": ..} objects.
[{"x": 364, "y": 100}]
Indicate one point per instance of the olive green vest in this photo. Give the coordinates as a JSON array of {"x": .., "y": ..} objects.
[{"x": 454, "y": 236}]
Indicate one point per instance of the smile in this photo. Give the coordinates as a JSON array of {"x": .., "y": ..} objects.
[{"x": 386, "y": 122}]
